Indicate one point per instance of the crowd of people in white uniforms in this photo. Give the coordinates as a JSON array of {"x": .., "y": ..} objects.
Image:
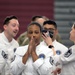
[{"x": 48, "y": 57}]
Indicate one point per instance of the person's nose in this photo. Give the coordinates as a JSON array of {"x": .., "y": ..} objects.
[
  {"x": 17, "y": 28},
  {"x": 34, "y": 35}
]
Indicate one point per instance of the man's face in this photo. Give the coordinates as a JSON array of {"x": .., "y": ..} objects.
[
  {"x": 72, "y": 34},
  {"x": 12, "y": 28},
  {"x": 34, "y": 31},
  {"x": 51, "y": 28}
]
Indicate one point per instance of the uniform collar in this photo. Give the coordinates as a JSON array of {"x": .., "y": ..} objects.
[
  {"x": 5, "y": 38},
  {"x": 52, "y": 42}
]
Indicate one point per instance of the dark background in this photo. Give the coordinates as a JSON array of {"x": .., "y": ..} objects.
[{"x": 25, "y": 9}]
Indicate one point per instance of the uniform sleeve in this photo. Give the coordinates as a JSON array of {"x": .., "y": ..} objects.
[
  {"x": 42, "y": 65},
  {"x": 69, "y": 56},
  {"x": 57, "y": 61},
  {"x": 2, "y": 63},
  {"x": 17, "y": 66}
]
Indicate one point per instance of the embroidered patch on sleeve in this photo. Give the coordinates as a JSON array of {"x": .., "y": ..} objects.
[
  {"x": 14, "y": 49},
  {"x": 42, "y": 56},
  {"x": 58, "y": 52},
  {"x": 51, "y": 60},
  {"x": 5, "y": 56},
  {"x": 68, "y": 53}
]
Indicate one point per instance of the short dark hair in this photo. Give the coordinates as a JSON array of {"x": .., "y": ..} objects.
[
  {"x": 50, "y": 22},
  {"x": 8, "y": 18},
  {"x": 35, "y": 17},
  {"x": 35, "y": 23}
]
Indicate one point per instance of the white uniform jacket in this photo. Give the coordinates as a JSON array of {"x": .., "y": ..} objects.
[
  {"x": 59, "y": 48},
  {"x": 7, "y": 50},
  {"x": 40, "y": 67},
  {"x": 2, "y": 64},
  {"x": 67, "y": 61}
]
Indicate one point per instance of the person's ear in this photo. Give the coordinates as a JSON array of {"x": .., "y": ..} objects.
[
  {"x": 5, "y": 27},
  {"x": 56, "y": 31}
]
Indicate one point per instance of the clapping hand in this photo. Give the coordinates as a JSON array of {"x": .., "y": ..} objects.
[
  {"x": 32, "y": 46},
  {"x": 57, "y": 71}
]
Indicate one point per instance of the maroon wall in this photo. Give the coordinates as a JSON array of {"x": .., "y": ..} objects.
[{"x": 25, "y": 9}]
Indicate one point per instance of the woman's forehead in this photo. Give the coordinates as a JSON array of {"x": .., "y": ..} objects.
[{"x": 33, "y": 27}]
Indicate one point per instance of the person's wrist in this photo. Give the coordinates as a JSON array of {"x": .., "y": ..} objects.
[
  {"x": 49, "y": 43},
  {"x": 32, "y": 52},
  {"x": 50, "y": 46}
]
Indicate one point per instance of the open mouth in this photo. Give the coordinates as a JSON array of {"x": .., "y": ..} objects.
[{"x": 15, "y": 32}]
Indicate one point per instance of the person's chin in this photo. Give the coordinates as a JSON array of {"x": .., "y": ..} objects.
[
  {"x": 14, "y": 35},
  {"x": 37, "y": 43}
]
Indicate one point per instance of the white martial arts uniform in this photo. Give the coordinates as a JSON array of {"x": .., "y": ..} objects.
[
  {"x": 41, "y": 66},
  {"x": 7, "y": 48}
]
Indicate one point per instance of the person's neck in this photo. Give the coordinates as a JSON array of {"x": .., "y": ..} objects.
[{"x": 8, "y": 36}]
